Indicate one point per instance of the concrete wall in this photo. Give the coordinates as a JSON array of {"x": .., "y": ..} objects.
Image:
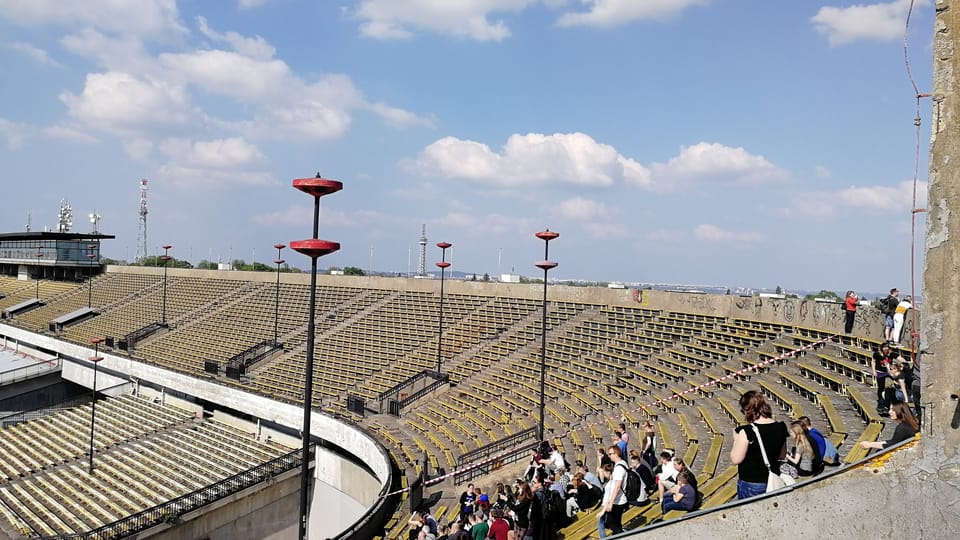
[
  {"x": 260, "y": 513},
  {"x": 823, "y": 316}
]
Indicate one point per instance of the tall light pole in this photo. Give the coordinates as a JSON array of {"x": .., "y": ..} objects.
[
  {"x": 165, "y": 259},
  {"x": 90, "y": 255},
  {"x": 96, "y": 358},
  {"x": 314, "y": 248},
  {"x": 443, "y": 264},
  {"x": 276, "y": 311},
  {"x": 39, "y": 254},
  {"x": 546, "y": 264}
]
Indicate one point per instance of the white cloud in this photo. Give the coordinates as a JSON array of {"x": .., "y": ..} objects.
[
  {"x": 712, "y": 233},
  {"x": 531, "y": 159},
  {"x": 13, "y": 133},
  {"x": 230, "y": 74},
  {"x": 137, "y": 148},
  {"x": 605, "y": 13},
  {"x": 69, "y": 134},
  {"x": 119, "y": 102},
  {"x": 250, "y": 4},
  {"x": 580, "y": 209},
  {"x": 36, "y": 53},
  {"x": 220, "y": 153},
  {"x": 212, "y": 164},
  {"x": 714, "y": 162},
  {"x": 607, "y": 230},
  {"x": 113, "y": 53},
  {"x": 872, "y": 199},
  {"x": 255, "y": 47},
  {"x": 822, "y": 171},
  {"x": 883, "y": 198},
  {"x": 399, "y": 117},
  {"x": 146, "y": 18},
  {"x": 884, "y": 21},
  {"x": 187, "y": 177},
  {"x": 390, "y": 19}
]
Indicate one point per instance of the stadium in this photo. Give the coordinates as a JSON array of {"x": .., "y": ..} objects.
[
  {"x": 200, "y": 377},
  {"x": 163, "y": 402}
]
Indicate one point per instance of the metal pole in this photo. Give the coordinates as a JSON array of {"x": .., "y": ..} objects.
[
  {"x": 543, "y": 344},
  {"x": 443, "y": 264},
  {"x": 308, "y": 384},
  {"x": 276, "y": 309},
  {"x": 440, "y": 334},
  {"x": 93, "y": 407},
  {"x": 166, "y": 259}
]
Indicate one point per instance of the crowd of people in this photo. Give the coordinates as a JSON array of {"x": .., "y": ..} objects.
[
  {"x": 552, "y": 492},
  {"x": 760, "y": 447}
]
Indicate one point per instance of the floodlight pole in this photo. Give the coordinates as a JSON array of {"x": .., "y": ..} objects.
[
  {"x": 276, "y": 310},
  {"x": 313, "y": 248},
  {"x": 443, "y": 264},
  {"x": 546, "y": 264},
  {"x": 96, "y": 358},
  {"x": 165, "y": 259}
]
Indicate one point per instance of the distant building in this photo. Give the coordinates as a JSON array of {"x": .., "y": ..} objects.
[{"x": 510, "y": 278}]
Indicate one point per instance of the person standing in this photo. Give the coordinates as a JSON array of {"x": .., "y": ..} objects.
[
  {"x": 614, "y": 499},
  {"x": 745, "y": 454},
  {"x": 881, "y": 364},
  {"x": 850, "y": 308},
  {"x": 898, "y": 316},
  {"x": 888, "y": 306}
]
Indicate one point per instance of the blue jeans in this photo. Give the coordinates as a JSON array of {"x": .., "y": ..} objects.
[
  {"x": 670, "y": 504},
  {"x": 745, "y": 490},
  {"x": 611, "y": 520}
]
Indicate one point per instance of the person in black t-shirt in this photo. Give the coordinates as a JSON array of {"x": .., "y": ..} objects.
[
  {"x": 907, "y": 427},
  {"x": 746, "y": 454},
  {"x": 882, "y": 359}
]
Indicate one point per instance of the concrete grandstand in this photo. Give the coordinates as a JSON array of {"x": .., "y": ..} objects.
[{"x": 613, "y": 355}]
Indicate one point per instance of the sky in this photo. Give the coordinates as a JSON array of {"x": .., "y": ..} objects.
[{"x": 716, "y": 142}]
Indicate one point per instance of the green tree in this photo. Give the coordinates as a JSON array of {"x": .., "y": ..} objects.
[
  {"x": 486, "y": 277},
  {"x": 825, "y": 294},
  {"x": 207, "y": 265},
  {"x": 353, "y": 271},
  {"x": 779, "y": 290}
]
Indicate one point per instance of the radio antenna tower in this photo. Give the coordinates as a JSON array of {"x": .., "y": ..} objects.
[
  {"x": 142, "y": 231},
  {"x": 422, "y": 269}
]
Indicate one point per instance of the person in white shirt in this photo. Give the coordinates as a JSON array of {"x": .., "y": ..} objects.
[
  {"x": 898, "y": 315},
  {"x": 614, "y": 499}
]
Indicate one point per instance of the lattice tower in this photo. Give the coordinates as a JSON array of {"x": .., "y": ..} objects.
[
  {"x": 422, "y": 269},
  {"x": 142, "y": 230}
]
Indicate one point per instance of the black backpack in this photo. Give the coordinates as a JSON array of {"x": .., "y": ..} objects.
[
  {"x": 632, "y": 485},
  {"x": 553, "y": 509},
  {"x": 649, "y": 482}
]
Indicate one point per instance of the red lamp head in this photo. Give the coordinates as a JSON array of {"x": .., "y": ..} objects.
[
  {"x": 314, "y": 247},
  {"x": 279, "y": 246},
  {"x": 278, "y": 261},
  {"x": 96, "y": 341},
  {"x": 443, "y": 264},
  {"x": 444, "y": 245},
  {"x": 318, "y": 187},
  {"x": 546, "y": 265},
  {"x": 547, "y": 235},
  {"x": 166, "y": 247},
  {"x": 165, "y": 258}
]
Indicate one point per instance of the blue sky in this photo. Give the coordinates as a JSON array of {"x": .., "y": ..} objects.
[{"x": 714, "y": 142}]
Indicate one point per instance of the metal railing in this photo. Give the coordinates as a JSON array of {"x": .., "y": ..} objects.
[
  {"x": 28, "y": 372},
  {"x": 509, "y": 450}
]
